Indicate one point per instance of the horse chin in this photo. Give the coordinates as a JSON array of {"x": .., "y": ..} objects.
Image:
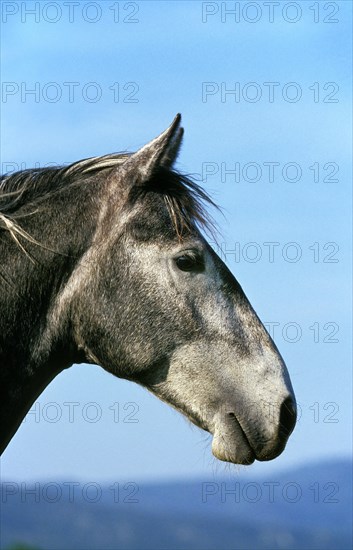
[
  {"x": 236, "y": 453},
  {"x": 230, "y": 444}
]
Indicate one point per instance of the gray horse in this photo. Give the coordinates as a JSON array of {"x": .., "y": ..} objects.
[{"x": 103, "y": 262}]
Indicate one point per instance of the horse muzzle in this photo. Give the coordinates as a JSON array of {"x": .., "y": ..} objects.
[{"x": 242, "y": 440}]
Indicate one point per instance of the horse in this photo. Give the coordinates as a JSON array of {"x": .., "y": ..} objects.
[{"x": 106, "y": 261}]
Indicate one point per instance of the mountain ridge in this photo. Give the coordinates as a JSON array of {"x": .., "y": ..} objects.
[{"x": 309, "y": 507}]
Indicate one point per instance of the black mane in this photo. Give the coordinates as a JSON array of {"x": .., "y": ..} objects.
[
  {"x": 28, "y": 186},
  {"x": 185, "y": 199}
]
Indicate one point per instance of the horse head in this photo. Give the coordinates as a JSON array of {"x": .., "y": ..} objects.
[{"x": 152, "y": 302}]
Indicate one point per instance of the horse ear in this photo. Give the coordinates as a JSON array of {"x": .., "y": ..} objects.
[{"x": 160, "y": 152}]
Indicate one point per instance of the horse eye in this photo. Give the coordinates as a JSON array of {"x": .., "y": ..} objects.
[{"x": 190, "y": 263}]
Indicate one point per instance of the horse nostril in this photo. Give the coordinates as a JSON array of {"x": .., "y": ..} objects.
[{"x": 288, "y": 417}]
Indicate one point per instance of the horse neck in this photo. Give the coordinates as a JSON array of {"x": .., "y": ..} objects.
[{"x": 32, "y": 352}]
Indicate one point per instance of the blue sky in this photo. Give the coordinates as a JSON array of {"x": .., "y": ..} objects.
[{"x": 160, "y": 64}]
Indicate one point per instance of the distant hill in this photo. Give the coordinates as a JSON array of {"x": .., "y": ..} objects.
[{"x": 303, "y": 509}]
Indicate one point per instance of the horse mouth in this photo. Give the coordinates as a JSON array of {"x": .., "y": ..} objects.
[{"x": 232, "y": 443}]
